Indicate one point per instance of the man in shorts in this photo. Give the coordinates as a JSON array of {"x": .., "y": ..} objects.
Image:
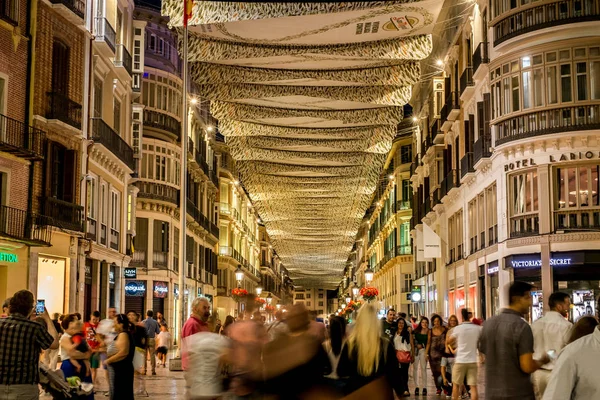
[
  {"x": 466, "y": 337},
  {"x": 89, "y": 330}
]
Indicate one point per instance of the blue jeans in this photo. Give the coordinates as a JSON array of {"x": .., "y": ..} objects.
[{"x": 19, "y": 392}]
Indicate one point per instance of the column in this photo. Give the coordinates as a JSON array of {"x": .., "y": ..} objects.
[
  {"x": 33, "y": 274},
  {"x": 547, "y": 273},
  {"x": 73, "y": 285}
]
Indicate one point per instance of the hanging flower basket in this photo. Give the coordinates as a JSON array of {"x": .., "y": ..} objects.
[
  {"x": 269, "y": 309},
  {"x": 355, "y": 305},
  {"x": 260, "y": 301},
  {"x": 369, "y": 293},
  {"x": 238, "y": 294}
]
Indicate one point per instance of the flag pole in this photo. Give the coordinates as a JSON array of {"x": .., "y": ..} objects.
[{"x": 183, "y": 183}]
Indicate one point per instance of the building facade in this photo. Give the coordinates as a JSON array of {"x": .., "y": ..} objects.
[
  {"x": 154, "y": 276},
  {"x": 239, "y": 239},
  {"x": 507, "y": 161},
  {"x": 314, "y": 299}
]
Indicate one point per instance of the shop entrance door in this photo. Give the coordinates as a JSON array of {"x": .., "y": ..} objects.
[
  {"x": 158, "y": 305},
  {"x": 51, "y": 283},
  {"x": 136, "y": 304}
]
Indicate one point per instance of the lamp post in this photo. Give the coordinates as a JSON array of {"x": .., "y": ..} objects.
[
  {"x": 368, "y": 275},
  {"x": 355, "y": 290},
  {"x": 258, "y": 291},
  {"x": 348, "y": 299},
  {"x": 239, "y": 275}
]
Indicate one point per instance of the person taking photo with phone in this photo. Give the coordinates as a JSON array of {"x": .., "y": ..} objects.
[{"x": 21, "y": 340}]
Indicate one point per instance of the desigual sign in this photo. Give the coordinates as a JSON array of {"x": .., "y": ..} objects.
[
  {"x": 135, "y": 288},
  {"x": 161, "y": 289}
]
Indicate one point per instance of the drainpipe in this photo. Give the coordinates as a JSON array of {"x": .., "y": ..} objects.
[
  {"x": 30, "y": 34},
  {"x": 87, "y": 123}
]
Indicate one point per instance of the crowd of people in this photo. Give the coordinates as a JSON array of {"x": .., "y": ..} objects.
[{"x": 298, "y": 357}]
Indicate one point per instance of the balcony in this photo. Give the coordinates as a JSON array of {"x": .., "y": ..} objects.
[
  {"x": 403, "y": 250},
  {"x": 21, "y": 140},
  {"x": 136, "y": 82},
  {"x": 544, "y": 16},
  {"x": 436, "y": 197},
  {"x": 138, "y": 259},
  {"x": 450, "y": 182},
  {"x": 436, "y": 132},
  {"x": 106, "y": 136},
  {"x": 402, "y": 205},
  {"x": 214, "y": 177},
  {"x": 579, "y": 219},
  {"x": 480, "y": 57},
  {"x": 114, "y": 239},
  {"x": 64, "y": 109},
  {"x": 466, "y": 83},
  {"x": 157, "y": 191},
  {"x": 159, "y": 120},
  {"x": 24, "y": 227},
  {"x": 524, "y": 225},
  {"x": 466, "y": 165},
  {"x": 201, "y": 219},
  {"x": 105, "y": 36},
  {"x": 222, "y": 291},
  {"x": 63, "y": 214},
  {"x": 123, "y": 60},
  {"x": 481, "y": 149},
  {"x": 72, "y": 10},
  {"x": 450, "y": 111},
  {"x": 160, "y": 259},
  {"x": 546, "y": 122}
]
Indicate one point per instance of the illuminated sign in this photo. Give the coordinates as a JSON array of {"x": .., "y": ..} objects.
[
  {"x": 519, "y": 164},
  {"x": 130, "y": 273},
  {"x": 8, "y": 257},
  {"x": 555, "y": 262},
  {"x": 135, "y": 288},
  {"x": 415, "y": 294},
  {"x": 160, "y": 289},
  {"x": 575, "y": 156},
  {"x": 493, "y": 270}
]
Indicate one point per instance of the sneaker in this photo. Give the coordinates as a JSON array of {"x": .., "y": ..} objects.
[
  {"x": 438, "y": 392},
  {"x": 424, "y": 391},
  {"x": 153, "y": 372},
  {"x": 416, "y": 391},
  {"x": 406, "y": 394}
]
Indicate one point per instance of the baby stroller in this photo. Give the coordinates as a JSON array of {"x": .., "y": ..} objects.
[{"x": 54, "y": 383}]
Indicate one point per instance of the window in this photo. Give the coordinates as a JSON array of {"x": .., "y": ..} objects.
[
  {"x": 565, "y": 83},
  {"x": 577, "y": 204},
  {"x": 97, "y": 98},
  {"x": 524, "y": 219},
  {"x": 320, "y": 295},
  {"x": 117, "y": 115},
  {"x": 308, "y": 295},
  {"x": 308, "y": 304},
  {"x": 115, "y": 219},
  {"x": 320, "y": 304},
  {"x": 3, "y": 94},
  {"x": 299, "y": 296},
  {"x": 492, "y": 214},
  {"x": 163, "y": 93},
  {"x": 61, "y": 169},
  {"x": 60, "y": 68},
  {"x": 10, "y": 11},
  {"x": 406, "y": 154},
  {"x": 161, "y": 236}
]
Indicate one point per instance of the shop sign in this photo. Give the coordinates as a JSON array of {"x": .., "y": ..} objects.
[
  {"x": 415, "y": 294},
  {"x": 575, "y": 156},
  {"x": 130, "y": 273},
  {"x": 555, "y": 262},
  {"x": 161, "y": 290},
  {"x": 519, "y": 164},
  {"x": 492, "y": 270},
  {"x": 176, "y": 290},
  {"x": 8, "y": 257},
  {"x": 135, "y": 288}
]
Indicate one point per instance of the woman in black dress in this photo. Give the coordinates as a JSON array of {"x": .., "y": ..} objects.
[{"x": 120, "y": 360}]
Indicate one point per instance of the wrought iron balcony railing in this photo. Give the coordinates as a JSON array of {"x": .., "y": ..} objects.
[
  {"x": 480, "y": 56},
  {"x": 63, "y": 214},
  {"x": 481, "y": 148},
  {"x": 20, "y": 139},
  {"x": 64, "y": 109},
  {"x": 106, "y": 136},
  {"x": 466, "y": 164},
  {"x": 105, "y": 33},
  {"x": 524, "y": 225},
  {"x": 466, "y": 79},
  {"x": 579, "y": 219},
  {"x": 123, "y": 59},
  {"x": 545, "y": 16},
  {"x": 157, "y": 191},
  {"x": 25, "y": 227},
  {"x": 77, "y": 6},
  {"x": 545, "y": 122},
  {"x": 165, "y": 122}
]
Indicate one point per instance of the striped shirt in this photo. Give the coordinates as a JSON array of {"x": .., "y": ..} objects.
[{"x": 21, "y": 342}]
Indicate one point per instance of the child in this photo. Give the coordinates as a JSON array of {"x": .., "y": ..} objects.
[
  {"x": 163, "y": 344},
  {"x": 78, "y": 339}
]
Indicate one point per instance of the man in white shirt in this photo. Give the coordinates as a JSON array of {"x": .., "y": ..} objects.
[
  {"x": 466, "y": 338},
  {"x": 575, "y": 374},
  {"x": 550, "y": 333}
]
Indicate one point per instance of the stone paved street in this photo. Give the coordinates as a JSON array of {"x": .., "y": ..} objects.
[{"x": 171, "y": 385}]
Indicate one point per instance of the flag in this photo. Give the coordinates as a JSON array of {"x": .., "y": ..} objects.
[
  {"x": 188, "y": 6},
  {"x": 432, "y": 244}
]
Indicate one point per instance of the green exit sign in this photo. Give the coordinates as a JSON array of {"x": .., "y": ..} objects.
[{"x": 8, "y": 257}]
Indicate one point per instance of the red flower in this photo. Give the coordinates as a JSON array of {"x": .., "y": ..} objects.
[
  {"x": 369, "y": 293},
  {"x": 238, "y": 293},
  {"x": 260, "y": 300}
]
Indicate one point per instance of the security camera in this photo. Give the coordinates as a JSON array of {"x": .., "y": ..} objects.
[{"x": 88, "y": 178}]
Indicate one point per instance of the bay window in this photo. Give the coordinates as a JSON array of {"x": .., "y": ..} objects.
[
  {"x": 576, "y": 201},
  {"x": 523, "y": 197}
]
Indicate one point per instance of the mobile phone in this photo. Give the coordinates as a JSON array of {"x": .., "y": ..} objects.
[
  {"x": 40, "y": 306},
  {"x": 552, "y": 354}
]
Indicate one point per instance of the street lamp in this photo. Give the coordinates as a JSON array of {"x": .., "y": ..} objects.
[
  {"x": 369, "y": 275},
  {"x": 258, "y": 291},
  {"x": 239, "y": 275},
  {"x": 269, "y": 299},
  {"x": 348, "y": 299},
  {"x": 355, "y": 290}
]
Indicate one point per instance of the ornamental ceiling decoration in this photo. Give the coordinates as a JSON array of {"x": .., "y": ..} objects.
[{"x": 308, "y": 96}]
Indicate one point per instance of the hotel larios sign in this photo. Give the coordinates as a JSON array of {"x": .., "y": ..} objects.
[{"x": 528, "y": 162}]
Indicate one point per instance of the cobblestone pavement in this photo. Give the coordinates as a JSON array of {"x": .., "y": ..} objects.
[{"x": 171, "y": 385}]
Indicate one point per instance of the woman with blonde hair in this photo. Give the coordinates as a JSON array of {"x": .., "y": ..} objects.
[{"x": 368, "y": 359}]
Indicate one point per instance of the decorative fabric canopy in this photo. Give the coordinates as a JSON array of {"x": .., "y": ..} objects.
[{"x": 308, "y": 96}]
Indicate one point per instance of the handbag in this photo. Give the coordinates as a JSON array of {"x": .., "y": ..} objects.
[
  {"x": 403, "y": 357},
  {"x": 139, "y": 358}
]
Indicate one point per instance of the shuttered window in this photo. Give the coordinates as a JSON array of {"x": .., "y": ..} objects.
[
  {"x": 141, "y": 234},
  {"x": 60, "y": 68},
  {"x": 161, "y": 236}
]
